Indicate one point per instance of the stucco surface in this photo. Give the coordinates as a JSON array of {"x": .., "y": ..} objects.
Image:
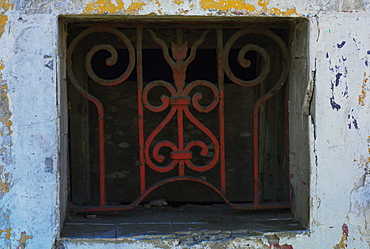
[{"x": 337, "y": 113}]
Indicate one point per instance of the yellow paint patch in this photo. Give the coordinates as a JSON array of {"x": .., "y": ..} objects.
[
  {"x": 4, "y": 178},
  {"x": 225, "y": 5},
  {"x": 263, "y": 3},
  {"x": 362, "y": 96},
  {"x": 158, "y": 3},
  {"x": 7, "y": 232},
  {"x": 3, "y": 20},
  {"x": 104, "y": 6},
  {"x": 241, "y": 5},
  {"x": 275, "y": 11},
  {"x": 343, "y": 241},
  {"x": 342, "y": 244},
  {"x": 5, "y": 5},
  {"x": 136, "y": 6},
  {"x": 178, "y": 2},
  {"x": 288, "y": 12},
  {"x": 23, "y": 240},
  {"x": 4, "y": 187}
]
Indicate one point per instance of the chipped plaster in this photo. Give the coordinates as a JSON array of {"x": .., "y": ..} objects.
[
  {"x": 103, "y": 6},
  {"x": 23, "y": 240},
  {"x": 5, "y": 114},
  {"x": 343, "y": 240},
  {"x": 364, "y": 90},
  {"x": 238, "y": 7},
  {"x": 5, "y": 139}
]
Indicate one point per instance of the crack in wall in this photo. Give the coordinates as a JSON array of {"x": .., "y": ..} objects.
[
  {"x": 315, "y": 200},
  {"x": 322, "y": 8},
  {"x": 311, "y": 92}
]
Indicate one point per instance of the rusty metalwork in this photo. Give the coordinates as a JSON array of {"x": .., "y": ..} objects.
[{"x": 178, "y": 104}]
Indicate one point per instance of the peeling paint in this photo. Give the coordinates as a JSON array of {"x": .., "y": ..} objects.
[
  {"x": 104, "y": 7},
  {"x": 7, "y": 232},
  {"x": 5, "y": 132},
  {"x": 343, "y": 241},
  {"x": 116, "y": 7},
  {"x": 5, "y": 114},
  {"x": 4, "y": 182},
  {"x": 5, "y": 135},
  {"x": 5, "y": 228},
  {"x": 136, "y": 6},
  {"x": 285, "y": 246},
  {"x": 244, "y": 8},
  {"x": 238, "y": 7},
  {"x": 364, "y": 160},
  {"x": 362, "y": 96},
  {"x": 352, "y": 121},
  {"x": 333, "y": 104},
  {"x": 340, "y": 45},
  {"x": 23, "y": 240},
  {"x": 275, "y": 11},
  {"x": 359, "y": 215},
  {"x": 5, "y": 5},
  {"x": 339, "y": 83},
  {"x": 4, "y": 101},
  {"x": 178, "y": 2},
  {"x": 227, "y": 5}
]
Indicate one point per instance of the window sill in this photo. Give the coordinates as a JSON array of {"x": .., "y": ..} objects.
[{"x": 172, "y": 223}]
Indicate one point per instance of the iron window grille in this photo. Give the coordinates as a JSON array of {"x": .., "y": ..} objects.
[{"x": 197, "y": 107}]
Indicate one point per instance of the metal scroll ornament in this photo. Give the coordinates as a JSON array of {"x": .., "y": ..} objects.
[{"x": 177, "y": 102}]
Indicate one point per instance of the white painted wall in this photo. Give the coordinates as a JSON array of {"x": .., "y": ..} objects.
[{"x": 338, "y": 124}]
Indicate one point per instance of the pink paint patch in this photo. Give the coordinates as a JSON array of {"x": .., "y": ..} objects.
[
  {"x": 285, "y": 246},
  {"x": 345, "y": 229}
]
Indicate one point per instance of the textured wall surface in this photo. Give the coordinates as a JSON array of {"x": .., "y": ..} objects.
[{"x": 337, "y": 115}]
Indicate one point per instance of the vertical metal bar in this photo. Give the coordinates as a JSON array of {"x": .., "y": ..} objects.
[
  {"x": 101, "y": 153},
  {"x": 87, "y": 143},
  {"x": 255, "y": 156},
  {"x": 220, "y": 79},
  {"x": 139, "y": 69},
  {"x": 180, "y": 128},
  {"x": 180, "y": 113}
]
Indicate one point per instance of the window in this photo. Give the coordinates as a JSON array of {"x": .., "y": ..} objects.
[{"x": 192, "y": 112}]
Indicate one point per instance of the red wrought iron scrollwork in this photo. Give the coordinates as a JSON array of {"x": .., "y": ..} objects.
[
  {"x": 178, "y": 102},
  {"x": 181, "y": 100}
]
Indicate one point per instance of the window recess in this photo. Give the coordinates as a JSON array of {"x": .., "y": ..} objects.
[{"x": 192, "y": 113}]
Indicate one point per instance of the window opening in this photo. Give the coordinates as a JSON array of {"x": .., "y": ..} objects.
[{"x": 190, "y": 114}]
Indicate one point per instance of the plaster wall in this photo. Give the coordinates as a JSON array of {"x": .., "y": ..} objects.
[{"x": 331, "y": 104}]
